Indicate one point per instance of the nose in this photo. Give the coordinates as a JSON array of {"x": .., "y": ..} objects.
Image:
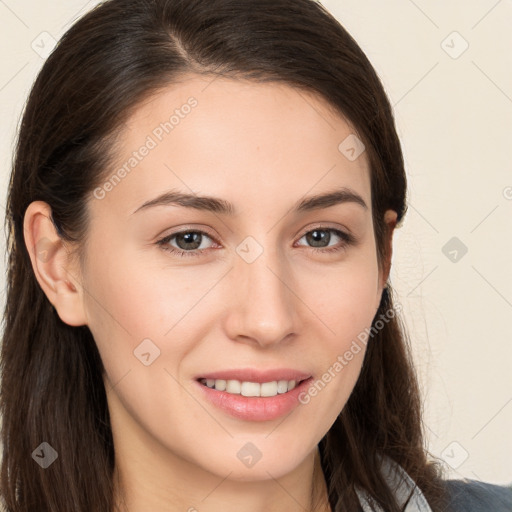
[{"x": 262, "y": 309}]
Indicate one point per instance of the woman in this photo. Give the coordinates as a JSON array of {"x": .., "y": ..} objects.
[{"x": 177, "y": 336}]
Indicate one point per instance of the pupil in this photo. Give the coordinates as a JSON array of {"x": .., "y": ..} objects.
[
  {"x": 317, "y": 235},
  {"x": 190, "y": 238}
]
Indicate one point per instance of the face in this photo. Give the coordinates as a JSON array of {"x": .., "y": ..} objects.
[{"x": 197, "y": 308}]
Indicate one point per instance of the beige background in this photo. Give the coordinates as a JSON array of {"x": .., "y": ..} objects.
[{"x": 453, "y": 108}]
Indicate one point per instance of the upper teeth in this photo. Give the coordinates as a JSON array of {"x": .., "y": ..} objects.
[{"x": 237, "y": 387}]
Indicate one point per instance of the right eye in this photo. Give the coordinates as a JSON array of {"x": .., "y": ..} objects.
[{"x": 187, "y": 237}]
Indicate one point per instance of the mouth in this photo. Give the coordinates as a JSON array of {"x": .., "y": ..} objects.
[
  {"x": 252, "y": 389},
  {"x": 254, "y": 395}
]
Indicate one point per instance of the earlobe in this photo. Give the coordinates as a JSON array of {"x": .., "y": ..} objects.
[{"x": 52, "y": 264}]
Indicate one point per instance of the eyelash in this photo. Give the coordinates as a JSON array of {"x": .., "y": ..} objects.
[{"x": 163, "y": 242}]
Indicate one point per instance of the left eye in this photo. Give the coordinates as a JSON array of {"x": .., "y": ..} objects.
[
  {"x": 316, "y": 236},
  {"x": 190, "y": 241}
]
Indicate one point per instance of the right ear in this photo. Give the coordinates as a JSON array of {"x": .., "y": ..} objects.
[{"x": 53, "y": 265}]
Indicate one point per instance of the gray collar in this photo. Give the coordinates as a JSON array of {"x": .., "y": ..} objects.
[{"x": 402, "y": 485}]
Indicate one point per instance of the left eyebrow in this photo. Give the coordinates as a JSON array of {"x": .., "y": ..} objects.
[
  {"x": 218, "y": 205},
  {"x": 343, "y": 195}
]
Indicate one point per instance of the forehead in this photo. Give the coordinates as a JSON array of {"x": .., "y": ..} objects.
[{"x": 235, "y": 138}]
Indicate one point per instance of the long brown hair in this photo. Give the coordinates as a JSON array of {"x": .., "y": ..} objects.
[{"x": 109, "y": 61}]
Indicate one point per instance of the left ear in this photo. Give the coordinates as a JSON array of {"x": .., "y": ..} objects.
[{"x": 390, "y": 217}]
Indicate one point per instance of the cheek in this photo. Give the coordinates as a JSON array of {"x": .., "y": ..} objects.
[
  {"x": 345, "y": 302},
  {"x": 345, "y": 298},
  {"x": 129, "y": 313},
  {"x": 135, "y": 294}
]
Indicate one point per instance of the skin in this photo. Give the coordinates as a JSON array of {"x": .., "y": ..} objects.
[{"x": 262, "y": 147}]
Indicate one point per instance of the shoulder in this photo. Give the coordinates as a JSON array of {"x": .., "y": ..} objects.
[{"x": 475, "y": 496}]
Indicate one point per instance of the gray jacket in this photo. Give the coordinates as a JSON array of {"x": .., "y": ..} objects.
[
  {"x": 474, "y": 496},
  {"x": 463, "y": 495}
]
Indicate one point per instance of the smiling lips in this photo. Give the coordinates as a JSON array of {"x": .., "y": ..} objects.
[{"x": 254, "y": 395}]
